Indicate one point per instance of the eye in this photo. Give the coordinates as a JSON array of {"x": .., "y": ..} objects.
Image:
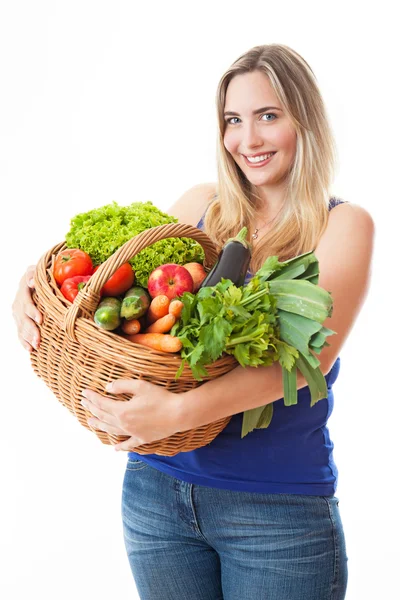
[
  {"x": 269, "y": 115},
  {"x": 228, "y": 121}
]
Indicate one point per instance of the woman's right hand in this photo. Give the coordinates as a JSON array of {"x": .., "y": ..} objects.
[{"x": 25, "y": 312}]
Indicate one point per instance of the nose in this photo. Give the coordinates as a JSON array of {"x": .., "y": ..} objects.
[{"x": 251, "y": 137}]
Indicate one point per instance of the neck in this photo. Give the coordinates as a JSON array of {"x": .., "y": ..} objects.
[
  {"x": 268, "y": 207},
  {"x": 268, "y": 202}
]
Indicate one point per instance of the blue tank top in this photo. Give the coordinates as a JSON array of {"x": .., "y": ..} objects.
[{"x": 294, "y": 455}]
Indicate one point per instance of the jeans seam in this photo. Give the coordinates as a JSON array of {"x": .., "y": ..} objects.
[
  {"x": 138, "y": 468},
  {"x": 195, "y": 523},
  {"x": 335, "y": 544}
]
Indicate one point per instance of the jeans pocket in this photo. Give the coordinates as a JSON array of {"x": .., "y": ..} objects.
[{"x": 135, "y": 464}]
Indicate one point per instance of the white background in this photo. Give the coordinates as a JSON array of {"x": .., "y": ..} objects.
[{"x": 105, "y": 101}]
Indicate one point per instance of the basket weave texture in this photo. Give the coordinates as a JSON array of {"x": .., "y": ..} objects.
[{"x": 75, "y": 353}]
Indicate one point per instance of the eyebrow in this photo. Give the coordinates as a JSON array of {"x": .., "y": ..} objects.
[{"x": 255, "y": 112}]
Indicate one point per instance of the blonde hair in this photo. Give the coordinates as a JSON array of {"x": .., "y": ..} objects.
[{"x": 304, "y": 215}]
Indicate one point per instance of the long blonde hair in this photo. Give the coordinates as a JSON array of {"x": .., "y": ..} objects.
[{"x": 304, "y": 215}]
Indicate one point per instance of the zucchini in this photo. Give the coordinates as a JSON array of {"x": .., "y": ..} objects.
[
  {"x": 107, "y": 315},
  {"x": 135, "y": 303}
]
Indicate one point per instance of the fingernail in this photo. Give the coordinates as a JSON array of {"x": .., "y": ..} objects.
[
  {"x": 109, "y": 386},
  {"x": 37, "y": 320},
  {"x": 84, "y": 393},
  {"x": 31, "y": 282}
]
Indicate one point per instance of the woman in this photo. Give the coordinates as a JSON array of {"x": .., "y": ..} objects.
[{"x": 254, "y": 517}]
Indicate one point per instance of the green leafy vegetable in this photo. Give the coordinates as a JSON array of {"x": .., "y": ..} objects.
[
  {"x": 218, "y": 320},
  {"x": 278, "y": 316},
  {"x": 101, "y": 231},
  {"x": 257, "y": 418}
]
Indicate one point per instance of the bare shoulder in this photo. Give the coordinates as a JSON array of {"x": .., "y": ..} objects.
[
  {"x": 349, "y": 208},
  {"x": 190, "y": 207},
  {"x": 349, "y": 227}
]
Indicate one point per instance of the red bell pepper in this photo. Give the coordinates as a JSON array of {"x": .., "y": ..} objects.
[{"x": 71, "y": 286}]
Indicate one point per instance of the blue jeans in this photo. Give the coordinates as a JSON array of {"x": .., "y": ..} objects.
[{"x": 192, "y": 542}]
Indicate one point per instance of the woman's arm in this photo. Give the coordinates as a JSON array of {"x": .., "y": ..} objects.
[
  {"x": 154, "y": 412},
  {"x": 345, "y": 255}
]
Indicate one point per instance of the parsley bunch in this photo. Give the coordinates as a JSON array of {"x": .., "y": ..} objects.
[{"x": 224, "y": 318}]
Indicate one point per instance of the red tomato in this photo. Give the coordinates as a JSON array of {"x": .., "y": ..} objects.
[
  {"x": 73, "y": 285},
  {"x": 120, "y": 282},
  {"x": 70, "y": 263}
]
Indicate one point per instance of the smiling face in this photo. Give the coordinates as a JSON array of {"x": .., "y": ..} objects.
[{"x": 248, "y": 135}]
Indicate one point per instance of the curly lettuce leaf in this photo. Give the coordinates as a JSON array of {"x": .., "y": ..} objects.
[{"x": 101, "y": 231}]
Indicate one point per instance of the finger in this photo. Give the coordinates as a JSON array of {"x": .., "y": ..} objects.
[
  {"x": 25, "y": 344},
  {"x": 105, "y": 409},
  {"x": 27, "y": 292},
  {"x": 28, "y": 306},
  {"x": 29, "y": 333},
  {"x": 30, "y": 272},
  {"x": 100, "y": 425},
  {"x": 33, "y": 313},
  {"x": 128, "y": 445},
  {"x": 28, "y": 345},
  {"x": 127, "y": 386},
  {"x": 95, "y": 411}
]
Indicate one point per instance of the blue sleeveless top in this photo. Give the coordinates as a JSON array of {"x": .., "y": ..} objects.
[{"x": 294, "y": 455}]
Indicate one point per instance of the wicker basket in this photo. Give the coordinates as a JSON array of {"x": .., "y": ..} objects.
[{"x": 75, "y": 353}]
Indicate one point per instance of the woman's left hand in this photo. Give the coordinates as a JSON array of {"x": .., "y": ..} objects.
[{"x": 153, "y": 413}]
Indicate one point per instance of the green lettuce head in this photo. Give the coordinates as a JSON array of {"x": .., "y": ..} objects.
[{"x": 101, "y": 231}]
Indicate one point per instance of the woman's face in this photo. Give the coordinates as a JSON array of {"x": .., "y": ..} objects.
[{"x": 248, "y": 134}]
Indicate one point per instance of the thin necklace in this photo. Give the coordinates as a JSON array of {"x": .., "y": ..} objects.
[{"x": 257, "y": 229}]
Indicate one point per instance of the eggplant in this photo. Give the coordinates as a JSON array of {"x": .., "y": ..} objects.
[{"x": 232, "y": 263}]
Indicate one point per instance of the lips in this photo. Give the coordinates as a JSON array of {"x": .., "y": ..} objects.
[
  {"x": 255, "y": 165},
  {"x": 259, "y": 154}
]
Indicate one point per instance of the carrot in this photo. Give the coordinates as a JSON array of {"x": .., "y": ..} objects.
[
  {"x": 158, "y": 308},
  {"x": 175, "y": 308},
  {"x": 162, "y": 325},
  {"x": 131, "y": 327},
  {"x": 157, "y": 341}
]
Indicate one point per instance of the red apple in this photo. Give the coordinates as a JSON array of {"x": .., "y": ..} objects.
[
  {"x": 197, "y": 272},
  {"x": 171, "y": 280}
]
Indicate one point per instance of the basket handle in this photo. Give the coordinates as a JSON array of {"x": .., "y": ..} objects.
[{"x": 88, "y": 298}]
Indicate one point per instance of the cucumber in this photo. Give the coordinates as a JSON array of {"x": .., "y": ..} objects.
[
  {"x": 135, "y": 303},
  {"x": 107, "y": 315}
]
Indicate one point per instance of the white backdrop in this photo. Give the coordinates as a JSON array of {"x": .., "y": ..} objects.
[{"x": 105, "y": 101}]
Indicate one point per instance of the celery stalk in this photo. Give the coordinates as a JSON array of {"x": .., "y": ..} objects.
[
  {"x": 315, "y": 379},
  {"x": 289, "y": 386}
]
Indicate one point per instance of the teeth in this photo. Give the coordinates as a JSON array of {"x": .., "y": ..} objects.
[{"x": 259, "y": 158}]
